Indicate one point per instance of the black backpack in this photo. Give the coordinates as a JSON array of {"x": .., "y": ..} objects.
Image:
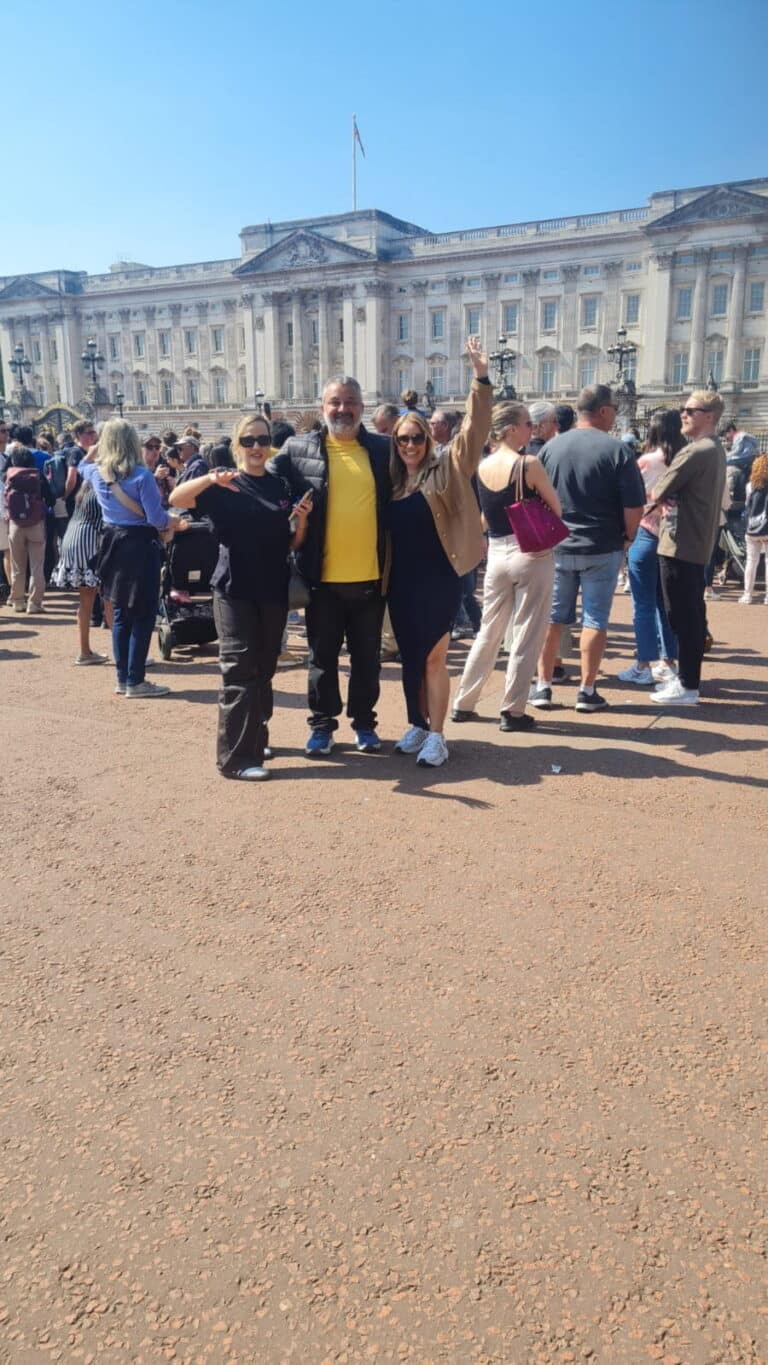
[{"x": 757, "y": 512}]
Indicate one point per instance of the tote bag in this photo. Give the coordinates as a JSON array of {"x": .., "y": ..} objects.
[{"x": 535, "y": 526}]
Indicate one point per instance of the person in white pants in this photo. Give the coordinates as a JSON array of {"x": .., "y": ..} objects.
[{"x": 756, "y": 514}]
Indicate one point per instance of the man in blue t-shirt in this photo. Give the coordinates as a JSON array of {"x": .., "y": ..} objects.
[{"x": 602, "y": 495}]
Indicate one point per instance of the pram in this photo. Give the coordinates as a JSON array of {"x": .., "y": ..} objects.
[{"x": 185, "y": 614}]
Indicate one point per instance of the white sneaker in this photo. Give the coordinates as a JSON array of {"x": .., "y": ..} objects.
[
  {"x": 412, "y": 740},
  {"x": 674, "y": 694},
  {"x": 711, "y": 596},
  {"x": 146, "y": 690},
  {"x": 663, "y": 673},
  {"x": 745, "y": 599},
  {"x": 642, "y": 676},
  {"x": 433, "y": 752}
]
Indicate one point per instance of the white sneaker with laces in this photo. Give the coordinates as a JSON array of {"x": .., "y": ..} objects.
[
  {"x": 146, "y": 690},
  {"x": 674, "y": 694},
  {"x": 662, "y": 672},
  {"x": 412, "y": 740},
  {"x": 745, "y": 599},
  {"x": 433, "y": 752},
  {"x": 643, "y": 677}
]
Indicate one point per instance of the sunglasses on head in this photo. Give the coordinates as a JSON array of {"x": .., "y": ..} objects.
[
  {"x": 417, "y": 440},
  {"x": 248, "y": 442}
]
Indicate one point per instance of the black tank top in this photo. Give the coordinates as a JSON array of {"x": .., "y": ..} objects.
[{"x": 492, "y": 503}]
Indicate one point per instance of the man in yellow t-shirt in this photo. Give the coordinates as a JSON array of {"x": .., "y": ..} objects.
[{"x": 341, "y": 560}]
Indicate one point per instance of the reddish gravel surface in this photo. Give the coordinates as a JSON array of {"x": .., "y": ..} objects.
[{"x": 380, "y": 1064}]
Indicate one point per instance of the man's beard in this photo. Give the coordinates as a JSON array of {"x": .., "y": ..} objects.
[{"x": 343, "y": 426}]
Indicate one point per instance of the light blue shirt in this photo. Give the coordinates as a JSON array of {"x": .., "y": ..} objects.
[{"x": 141, "y": 485}]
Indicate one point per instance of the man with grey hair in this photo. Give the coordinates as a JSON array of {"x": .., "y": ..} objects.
[
  {"x": 342, "y": 559},
  {"x": 544, "y": 426},
  {"x": 384, "y": 418}
]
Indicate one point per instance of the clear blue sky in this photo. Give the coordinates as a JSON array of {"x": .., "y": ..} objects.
[{"x": 155, "y": 131}]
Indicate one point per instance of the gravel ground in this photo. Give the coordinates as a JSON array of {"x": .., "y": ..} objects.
[{"x": 380, "y": 1064}]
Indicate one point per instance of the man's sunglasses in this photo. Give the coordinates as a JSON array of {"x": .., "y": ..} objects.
[
  {"x": 417, "y": 440},
  {"x": 691, "y": 411},
  {"x": 248, "y": 442},
  {"x": 151, "y": 445}
]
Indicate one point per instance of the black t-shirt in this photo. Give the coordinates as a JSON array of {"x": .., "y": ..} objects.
[
  {"x": 253, "y": 529},
  {"x": 596, "y": 477}
]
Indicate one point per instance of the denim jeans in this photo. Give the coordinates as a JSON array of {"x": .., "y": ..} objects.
[
  {"x": 596, "y": 575},
  {"x": 131, "y": 636},
  {"x": 653, "y": 634}
]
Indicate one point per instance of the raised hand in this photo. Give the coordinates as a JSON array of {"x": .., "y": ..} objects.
[
  {"x": 478, "y": 358},
  {"x": 224, "y": 478}
]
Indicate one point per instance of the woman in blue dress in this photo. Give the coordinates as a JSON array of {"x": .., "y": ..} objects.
[{"x": 437, "y": 537}]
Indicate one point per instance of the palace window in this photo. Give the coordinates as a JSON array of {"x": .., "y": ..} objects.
[
  {"x": 402, "y": 379},
  {"x": 630, "y": 367},
  {"x": 715, "y": 365},
  {"x": 509, "y": 316},
  {"x": 587, "y": 370},
  {"x": 473, "y": 321},
  {"x": 193, "y": 393},
  {"x": 219, "y": 389},
  {"x": 190, "y": 342},
  {"x": 550, "y": 275},
  {"x": 438, "y": 324},
  {"x": 36, "y": 356},
  {"x": 242, "y": 386},
  {"x": 54, "y": 349},
  {"x": 437, "y": 379},
  {"x": 757, "y": 297},
  {"x": 314, "y": 332},
  {"x": 633, "y": 265},
  {"x": 141, "y": 393},
  {"x": 164, "y": 344},
  {"x": 683, "y": 309},
  {"x": 631, "y": 309},
  {"x": 547, "y": 376},
  {"x": 403, "y": 326},
  {"x": 719, "y": 300},
  {"x": 114, "y": 347},
  {"x": 512, "y": 278},
  {"x": 549, "y": 315},
  {"x": 241, "y": 338},
  {"x": 340, "y": 331},
  {"x": 751, "y": 368},
  {"x": 589, "y": 311},
  {"x": 166, "y": 392},
  {"x": 591, "y": 270},
  {"x": 218, "y": 340},
  {"x": 680, "y": 368},
  {"x": 289, "y": 334},
  {"x": 723, "y": 254},
  {"x": 138, "y": 346},
  {"x": 314, "y": 384}
]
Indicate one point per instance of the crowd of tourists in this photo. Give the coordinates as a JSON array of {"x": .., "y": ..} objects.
[{"x": 380, "y": 533}]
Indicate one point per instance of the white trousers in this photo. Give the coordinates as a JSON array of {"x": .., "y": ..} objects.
[{"x": 756, "y": 546}]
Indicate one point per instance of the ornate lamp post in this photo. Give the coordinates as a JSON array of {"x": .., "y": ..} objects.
[
  {"x": 623, "y": 386},
  {"x": 622, "y": 351},
  {"x": 503, "y": 361},
  {"x": 119, "y": 400},
  {"x": 20, "y": 366},
  {"x": 92, "y": 360}
]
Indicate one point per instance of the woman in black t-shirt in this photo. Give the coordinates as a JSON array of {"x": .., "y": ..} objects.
[{"x": 252, "y": 515}]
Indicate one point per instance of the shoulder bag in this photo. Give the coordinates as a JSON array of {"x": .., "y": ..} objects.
[{"x": 535, "y": 526}]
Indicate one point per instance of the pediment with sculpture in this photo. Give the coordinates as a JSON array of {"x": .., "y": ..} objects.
[
  {"x": 723, "y": 202},
  {"x": 303, "y": 249}
]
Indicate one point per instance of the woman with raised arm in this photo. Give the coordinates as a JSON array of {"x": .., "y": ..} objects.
[
  {"x": 256, "y": 525},
  {"x": 518, "y": 586},
  {"x": 436, "y": 538}
]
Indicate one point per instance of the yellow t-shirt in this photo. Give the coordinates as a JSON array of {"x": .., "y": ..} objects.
[{"x": 349, "y": 554}]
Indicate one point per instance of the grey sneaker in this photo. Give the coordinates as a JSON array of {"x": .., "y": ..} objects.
[
  {"x": 146, "y": 690},
  {"x": 119, "y": 689},
  {"x": 540, "y": 695}
]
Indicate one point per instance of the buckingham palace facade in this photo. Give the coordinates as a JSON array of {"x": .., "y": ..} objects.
[{"x": 370, "y": 295}]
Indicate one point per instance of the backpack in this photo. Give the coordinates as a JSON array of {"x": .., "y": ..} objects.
[
  {"x": 56, "y": 473},
  {"x": 23, "y": 497},
  {"x": 757, "y": 512}
]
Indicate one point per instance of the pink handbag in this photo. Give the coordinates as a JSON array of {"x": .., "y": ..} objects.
[{"x": 535, "y": 526}]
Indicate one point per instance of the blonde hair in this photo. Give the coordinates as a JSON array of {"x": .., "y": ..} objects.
[
  {"x": 119, "y": 450},
  {"x": 705, "y": 398},
  {"x": 505, "y": 415},
  {"x": 240, "y": 429},
  {"x": 397, "y": 470}
]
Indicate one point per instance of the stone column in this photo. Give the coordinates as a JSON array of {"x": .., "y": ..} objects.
[
  {"x": 376, "y": 339},
  {"x": 230, "y": 343},
  {"x": 656, "y": 329},
  {"x": 324, "y": 364},
  {"x": 150, "y": 355},
  {"x": 455, "y": 333},
  {"x": 528, "y": 378},
  {"x": 126, "y": 351},
  {"x": 297, "y": 319},
  {"x": 348, "y": 313},
  {"x": 569, "y": 331},
  {"x": 251, "y": 363},
  {"x": 736, "y": 320},
  {"x": 611, "y": 315},
  {"x": 419, "y": 288},
  {"x": 696, "y": 375},
  {"x": 204, "y": 352},
  {"x": 48, "y": 367},
  {"x": 177, "y": 353},
  {"x": 492, "y": 280},
  {"x": 272, "y": 372}
]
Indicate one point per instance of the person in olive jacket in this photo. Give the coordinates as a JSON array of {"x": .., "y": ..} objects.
[{"x": 342, "y": 560}]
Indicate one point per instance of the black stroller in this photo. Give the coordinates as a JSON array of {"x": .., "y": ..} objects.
[{"x": 185, "y": 615}]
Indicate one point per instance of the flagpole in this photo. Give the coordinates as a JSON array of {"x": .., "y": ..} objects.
[{"x": 354, "y": 164}]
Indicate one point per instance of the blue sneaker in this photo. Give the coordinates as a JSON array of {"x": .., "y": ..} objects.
[
  {"x": 320, "y": 742},
  {"x": 368, "y": 742}
]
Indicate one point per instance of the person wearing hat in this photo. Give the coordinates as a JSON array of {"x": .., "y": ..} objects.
[{"x": 192, "y": 462}]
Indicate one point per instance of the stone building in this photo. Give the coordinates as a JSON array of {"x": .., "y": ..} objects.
[{"x": 382, "y": 299}]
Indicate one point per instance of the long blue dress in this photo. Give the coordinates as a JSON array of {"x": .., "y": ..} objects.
[{"x": 424, "y": 593}]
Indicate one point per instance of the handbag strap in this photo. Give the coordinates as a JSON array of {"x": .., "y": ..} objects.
[
  {"x": 520, "y": 477},
  {"x": 129, "y": 503}
]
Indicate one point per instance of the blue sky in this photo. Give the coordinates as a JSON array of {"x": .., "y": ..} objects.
[{"x": 156, "y": 131}]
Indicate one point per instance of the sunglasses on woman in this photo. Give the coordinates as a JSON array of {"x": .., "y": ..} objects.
[
  {"x": 417, "y": 440},
  {"x": 248, "y": 442}
]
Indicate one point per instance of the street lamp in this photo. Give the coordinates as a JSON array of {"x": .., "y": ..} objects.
[
  {"x": 504, "y": 360},
  {"x": 20, "y": 365},
  {"x": 119, "y": 400},
  {"x": 92, "y": 360},
  {"x": 622, "y": 351}
]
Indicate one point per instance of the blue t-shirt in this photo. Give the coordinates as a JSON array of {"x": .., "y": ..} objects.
[{"x": 141, "y": 485}]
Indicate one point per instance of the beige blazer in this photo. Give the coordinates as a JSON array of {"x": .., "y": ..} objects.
[{"x": 448, "y": 489}]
